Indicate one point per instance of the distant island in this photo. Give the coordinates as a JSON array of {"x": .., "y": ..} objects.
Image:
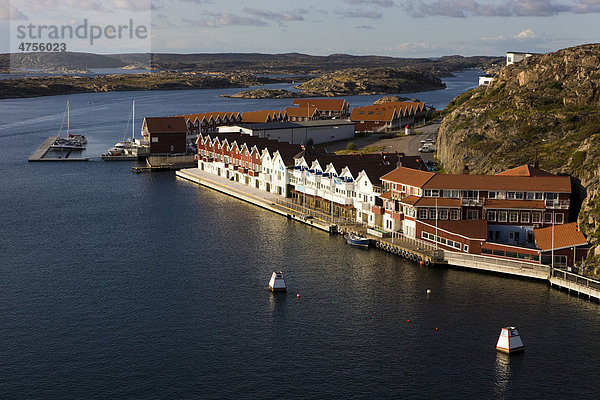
[{"x": 336, "y": 75}]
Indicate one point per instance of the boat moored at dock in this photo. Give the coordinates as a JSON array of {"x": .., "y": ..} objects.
[{"x": 357, "y": 240}]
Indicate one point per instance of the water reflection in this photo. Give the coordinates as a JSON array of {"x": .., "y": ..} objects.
[{"x": 503, "y": 374}]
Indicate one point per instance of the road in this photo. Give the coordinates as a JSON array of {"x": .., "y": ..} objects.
[{"x": 408, "y": 145}]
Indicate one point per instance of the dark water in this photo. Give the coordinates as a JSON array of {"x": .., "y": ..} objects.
[{"x": 121, "y": 285}]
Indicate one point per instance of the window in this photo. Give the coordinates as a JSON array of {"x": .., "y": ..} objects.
[
  {"x": 519, "y": 196},
  {"x": 536, "y": 217},
  {"x": 454, "y": 214},
  {"x": 432, "y": 213},
  {"x": 453, "y": 194},
  {"x": 466, "y": 248},
  {"x": 525, "y": 217},
  {"x": 558, "y": 218},
  {"x": 539, "y": 196},
  {"x": 443, "y": 213},
  {"x": 498, "y": 253},
  {"x": 422, "y": 213},
  {"x": 502, "y": 216},
  {"x": 547, "y": 218},
  {"x": 514, "y": 216},
  {"x": 486, "y": 251},
  {"x": 530, "y": 195},
  {"x": 511, "y": 254},
  {"x": 154, "y": 139},
  {"x": 472, "y": 214},
  {"x": 491, "y": 216},
  {"x": 510, "y": 195}
]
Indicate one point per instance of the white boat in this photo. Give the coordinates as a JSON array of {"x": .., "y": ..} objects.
[
  {"x": 277, "y": 282},
  {"x": 127, "y": 148},
  {"x": 356, "y": 240},
  {"x": 71, "y": 141}
]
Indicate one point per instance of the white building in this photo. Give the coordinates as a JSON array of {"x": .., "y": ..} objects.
[
  {"x": 513, "y": 57},
  {"x": 485, "y": 80},
  {"x": 301, "y": 132}
]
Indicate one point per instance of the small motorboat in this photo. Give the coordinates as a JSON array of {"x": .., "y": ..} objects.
[
  {"x": 356, "y": 240},
  {"x": 277, "y": 283}
]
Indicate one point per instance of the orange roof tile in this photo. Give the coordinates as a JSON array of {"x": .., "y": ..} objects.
[
  {"x": 322, "y": 104},
  {"x": 525, "y": 170},
  {"x": 387, "y": 195},
  {"x": 165, "y": 124},
  {"x": 565, "y": 235},
  {"x": 560, "y": 184},
  {"x": 515, "y": 204},
  {"x": 410, "y": 200},
  {"x": 408, "y": 176},
  {"x": 300, "y": 112}
]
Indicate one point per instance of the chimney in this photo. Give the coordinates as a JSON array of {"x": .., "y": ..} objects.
[{"x": 466, "y": 170}]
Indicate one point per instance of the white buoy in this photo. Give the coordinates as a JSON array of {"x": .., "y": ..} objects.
[
  {"x": 428, "y": 291},
  {"x": 509, "y": 341},
  {"x": 277, "y": 283}
]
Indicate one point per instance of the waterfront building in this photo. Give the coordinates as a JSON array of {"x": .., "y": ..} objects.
[
  {"x": 209, "y": 122},
  {"x": 480, "y": 214},
  {"x": 485, "y": 80},
  {"x": 165, "y": 135},
  {"x": 258, "y": 117},
  {"x": 300, "y": 132},
  {"x": 308, "y": 113},
  {"x": 328, "y": 108},
  {"x": 388, "y": 116},
  {"x": 565, "y": 242}
]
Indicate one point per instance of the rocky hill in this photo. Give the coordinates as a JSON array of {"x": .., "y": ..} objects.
[
  {"x": 67, "y": 84},
  {"x": 367, "y": 81},
  {"x": 545, "y": 108}
]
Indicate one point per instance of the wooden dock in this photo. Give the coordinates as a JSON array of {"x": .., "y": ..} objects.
[{"x": 40, "y": 154}]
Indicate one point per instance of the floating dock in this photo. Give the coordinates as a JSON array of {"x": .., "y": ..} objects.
[{"x": 40, "y": 154}]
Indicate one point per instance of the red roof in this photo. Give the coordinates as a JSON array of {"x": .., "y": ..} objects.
[
  {"x": 386, "y": 111},
  {"x": 408, "y": 176},
  {"x": 439, "y": 202},
  {"x": 165, "y": 125},
  {"x": 565, "y": 235},
  {"x": 560, "y": 184},
  {"x": 322, "y": 104},
  {"x": 525, "y": 170},
  {"x": 300, "y": 112}
]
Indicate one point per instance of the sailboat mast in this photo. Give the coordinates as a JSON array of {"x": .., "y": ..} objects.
[
  {"x": 133, "y": 123},
  {"x": 68, "y": 118}
]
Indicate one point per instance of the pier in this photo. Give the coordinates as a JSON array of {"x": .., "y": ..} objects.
[
  {"x": 251, "y": 195},
  {"x": 40, "y": 154}
]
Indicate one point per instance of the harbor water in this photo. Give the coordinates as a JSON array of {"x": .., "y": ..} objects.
[{"x": 142, "y": 286}]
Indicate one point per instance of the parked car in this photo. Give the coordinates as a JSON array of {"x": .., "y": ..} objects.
[{"x": 427, "y": 148}]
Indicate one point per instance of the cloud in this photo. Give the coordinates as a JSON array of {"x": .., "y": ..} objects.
[
  {"x": 526, "y": 34},
  {"x": 508, "y": 8},
  {"x": 220, "y": 19},
  {"x": 362, "y": 14},
  {"x": 380, "y": 3},
  {"x": 364, "y": 27},
  {"x": 277, "y": 16}
]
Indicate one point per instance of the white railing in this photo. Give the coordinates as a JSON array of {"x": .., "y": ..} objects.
[
  {"x": 414, "y": 241},
  {"x": 497, "y": 264},
  {"x": 578, "y": 280}
]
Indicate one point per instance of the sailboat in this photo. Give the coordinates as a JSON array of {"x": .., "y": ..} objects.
[
  {"x": 124, "y": 150},
  {"x": 71, "y": 141}
]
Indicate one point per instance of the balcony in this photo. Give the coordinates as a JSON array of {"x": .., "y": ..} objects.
[
  {"x": 558, "y": 204},
  {"x": 377, "y": 210},
  {"x": 472, "y": 202}
]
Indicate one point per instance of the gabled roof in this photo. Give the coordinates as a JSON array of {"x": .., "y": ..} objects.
[
  {"x": 165, "y": 124},
  {"x": 262, "y": 116},
  {"x": 565, "y": 235},
  {"x": 408, "y": 176},
  {"x": 323, "y": 104},
  {"x": 525, "y": 170},
  {"x": 302, "y": 112},
  {"x": 386, "y": 111}
]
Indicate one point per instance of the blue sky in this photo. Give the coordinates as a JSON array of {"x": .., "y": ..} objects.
[{"x": 402, "y": 28}]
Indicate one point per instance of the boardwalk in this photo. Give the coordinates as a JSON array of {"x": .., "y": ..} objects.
[{"x": 40, "y": 154}]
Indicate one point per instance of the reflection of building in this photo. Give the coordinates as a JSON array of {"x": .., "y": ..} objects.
[{"x": 513, "y": 57}]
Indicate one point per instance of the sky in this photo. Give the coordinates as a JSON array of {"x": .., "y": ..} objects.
[{"x": 399, "y": 28}]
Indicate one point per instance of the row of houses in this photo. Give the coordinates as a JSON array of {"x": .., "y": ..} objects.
[
  {"x": 388, "y": 116},
  {"x": 520, "y": 214}
]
